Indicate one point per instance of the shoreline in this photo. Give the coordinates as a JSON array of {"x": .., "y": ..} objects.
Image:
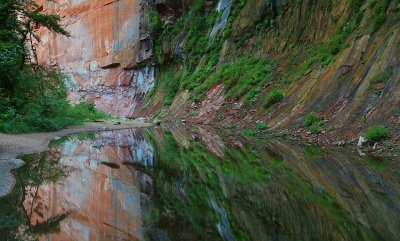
[{"x": 14, "y": 145}]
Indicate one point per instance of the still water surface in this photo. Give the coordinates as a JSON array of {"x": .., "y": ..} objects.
[{"x": 191, "y": 184}]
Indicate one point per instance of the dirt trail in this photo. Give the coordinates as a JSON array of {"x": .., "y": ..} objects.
[{"x": 14, "y": 145}]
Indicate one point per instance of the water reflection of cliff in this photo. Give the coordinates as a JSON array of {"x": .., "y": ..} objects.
[
  {"x": 102, "y": 202},
  {"x": 230, "y": 188},
  {"x": 194, "y": 184}
]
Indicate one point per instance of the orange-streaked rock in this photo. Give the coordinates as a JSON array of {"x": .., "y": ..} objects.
[
  {"x": 101, "y": 57},
  {"x": 102, "y": 203}
]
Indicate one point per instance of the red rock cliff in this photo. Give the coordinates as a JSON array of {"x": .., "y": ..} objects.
[{"x": 101, "y": 57}]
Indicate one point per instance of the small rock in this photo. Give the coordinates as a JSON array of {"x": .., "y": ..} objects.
[
  {"x": 375, "y": 146},
  {"x": 157, "y": 122},
  {"x": 117, "y": 123},
  {"x": 193, "y": 105},
  {"x": 339, "y": 143},
  {"x": 361, "y": 153},
  {"x": 237, "y": 106},
  {"x": 56, "y": 138},
  {"x": 361, "y": 141}
]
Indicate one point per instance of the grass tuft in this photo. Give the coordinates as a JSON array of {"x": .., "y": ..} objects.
[
  {"x": 314, "y": 123},
  {"x": 273, "y": 97},
  {"x": 376, "y": 133}
]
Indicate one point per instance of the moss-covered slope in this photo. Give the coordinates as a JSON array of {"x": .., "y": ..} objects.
[{"x": 277, "y": 61}]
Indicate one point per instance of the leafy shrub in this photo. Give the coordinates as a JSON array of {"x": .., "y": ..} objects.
[
  {"x": 261, "y": 126},
  {"x": 376, "y": 163},
  {"x": 153, "y": 22},
  {"x": 379, "y": 14},
  {"x": 170, "y": 85},
  {"x": 314, "y": 123},
  {"x": 376, "y": 133},
  {"x": 273, "y": 97},
  {"x": 243, "y": 78},
  {"x": 40, "y": 104}
]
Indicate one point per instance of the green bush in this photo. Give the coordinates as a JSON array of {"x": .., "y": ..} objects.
[
  {"x": 376, "y": 133},
  {"x": 261, "y": 126},
  {"x": 153, "y": 22},
  {"x": 314, "y": 123},
  {"x": 40, "y": 104},
  {"x": 243, "y": 78},
  {"x": 273, "y": 97},
  {"x": 32, "y": 98},
  {"x": 379, "y": 14}
]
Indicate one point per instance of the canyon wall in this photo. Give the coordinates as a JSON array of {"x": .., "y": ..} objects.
[
  {"x": 339, "y": 59},
  {"x": 107, "y": 56}
]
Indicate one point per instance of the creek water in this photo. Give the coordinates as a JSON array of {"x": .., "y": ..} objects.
[{"x": 190, "y": 183}]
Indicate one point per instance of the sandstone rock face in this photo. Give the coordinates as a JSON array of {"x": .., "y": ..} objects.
[{"x": 102, "y": 55}]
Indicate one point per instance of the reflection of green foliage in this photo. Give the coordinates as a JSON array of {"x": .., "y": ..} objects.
[
  {"x": 39, "y": 169},
  {"x": 202, "y": 173},
  {"x": 51, "y": 225},
  {"x": 376, "y": 163},
  {"x": 314, "y": 152},
  {"x": 11, "y": 214},
  {"x": 250, "y": 182},
  {"x": 379, "y": 14},
  {"x": 303, "y": 191},
  {"x": 382, "y": 77}
]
